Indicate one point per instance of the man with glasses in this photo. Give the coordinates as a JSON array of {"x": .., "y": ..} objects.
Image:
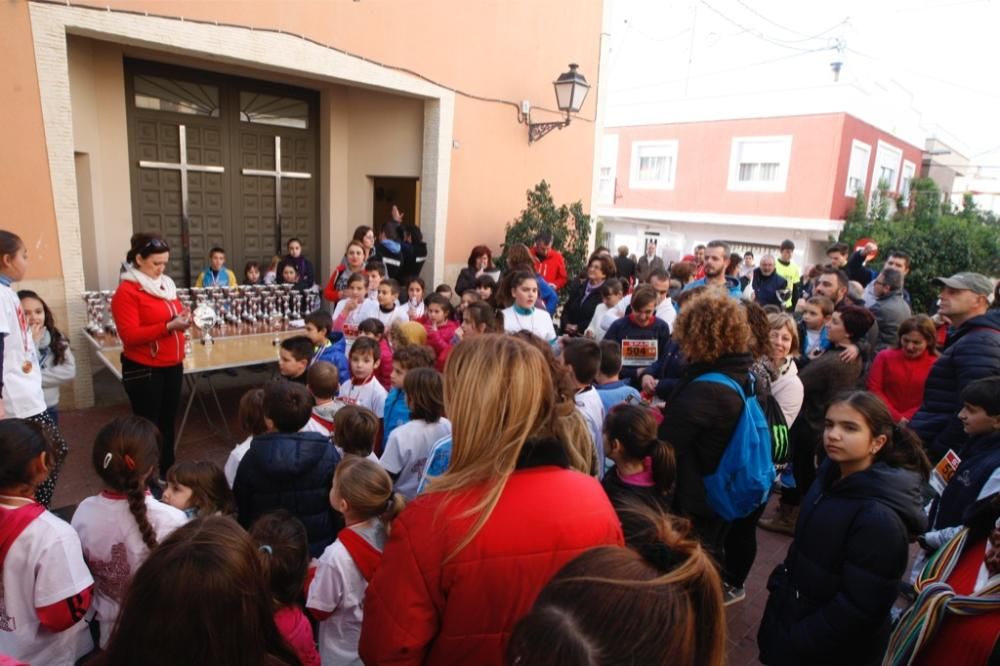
[{"x": 890, "y": 309}]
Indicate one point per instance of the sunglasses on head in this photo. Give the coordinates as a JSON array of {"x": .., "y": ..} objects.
[{"x": 155, "y": 243}]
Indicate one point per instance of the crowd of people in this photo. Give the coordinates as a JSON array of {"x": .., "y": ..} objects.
[{"x": 530, "y": 467}]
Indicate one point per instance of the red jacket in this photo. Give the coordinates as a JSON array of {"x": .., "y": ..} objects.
[
  {"x": 440, "y": 341},
  {"x": 552, "y": 268},
  {"x": 420, "y": 609},
  {"x": 899, "y": 381},
  {"x": 142, "y": 326}
]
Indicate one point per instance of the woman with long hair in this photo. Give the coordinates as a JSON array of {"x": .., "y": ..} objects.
[
  {"x": 201, "y": 597},
  {"x": 462, "y": 563},
  {"x": 519, "y": 259}
]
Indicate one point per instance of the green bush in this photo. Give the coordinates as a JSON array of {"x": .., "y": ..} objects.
[
  {"x": 940, "y": 242},
  {"x": 568, "y": 224}
]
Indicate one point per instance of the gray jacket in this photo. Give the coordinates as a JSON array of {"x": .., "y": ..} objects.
[{"x": 890, "y": 312}]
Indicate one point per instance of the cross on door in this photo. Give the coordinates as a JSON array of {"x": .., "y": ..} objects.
[
  {"x": 183, "y": 167},
  {"x": 278, "y": 175}
]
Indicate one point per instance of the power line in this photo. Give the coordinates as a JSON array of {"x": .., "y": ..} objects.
[
  {"x": 792, "y": 30},
  {"x": 755, "y": 33}
]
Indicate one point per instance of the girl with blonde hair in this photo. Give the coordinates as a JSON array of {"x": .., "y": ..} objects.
[{"x": 509, "y": 494}]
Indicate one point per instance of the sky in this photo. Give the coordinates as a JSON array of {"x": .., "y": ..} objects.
[{"x": 938, "y": 56}]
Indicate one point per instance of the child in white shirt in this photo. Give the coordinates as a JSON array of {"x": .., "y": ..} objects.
[
  {"x": 362, "y": 492},
  {"x": 611, "y": 295},
  {"x": 523, "y": 315},
  {"x": 120, "y": 526},
  {"x": 353, "y": 309},
  {"x": 583, "y": 357},
  {"x": 46, "y": 586},
  {"x": 389, "y": 309},
  {"x": 251, "y": 418},
  {"x": 410, "y": 444},
  {"x": 415, "y": 290},
  {"x": 362, "y": 388}
]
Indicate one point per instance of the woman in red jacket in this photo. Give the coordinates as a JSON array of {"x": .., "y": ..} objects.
[
  {"x": 151, "y": 324},
  {"x": 898, "y": 375},
  {"x": 466, "y": 560}
]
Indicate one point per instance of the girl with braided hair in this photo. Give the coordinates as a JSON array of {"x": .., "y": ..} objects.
[{"x": 121, "y": 525}]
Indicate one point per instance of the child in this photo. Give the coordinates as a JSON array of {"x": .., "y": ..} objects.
[
  {"x": 375, "y": 270},
  {"x": 20, "y": 375},
  {"x": 289, "y": 275},
  {"x": 375, "y": 329},
  {"x": 610, "y": 387},
  {"x": 55, "y": 356},
  {"x": 294, "y": 356},
  {"x": 46, "y": 585},
  {"x": 251, "y": 274},
  {"x": 284, "y": 552},
  {"x": 216, "y": 274},
  {"x": 396, "y": 412},
  {"x": 816, "y": 314},
  {"x": 303, "y": 267},
  {"x": 486, "y": 287},
  {"x": 271, "y": 274},
  {"x": 362, "y": 492},
  {"x": 389, "y": 309},
  {"x": 407, "y": 334},
  {"x": 198, "y": 488},
  {"x": 978, "y": 473},
  {"x": 289, "y": 469},
  {"x": 642, "y": 335},
  {"x": 323, "y": 382},
  {"x": 120, "y": 526},
  {"x": 477, "y": 319},
  {"x": 353, "y": 308},
  {"x": 362, "y": 388},
  {"x": 355, "y": 429},
  {"x": 583, "y": 357},
  {"x": 415, "y": 292},
  {"x": 319, "y": 329},
  {"x": 251, "y": 419},
  {"x": 611, "y": 295},
  {"x": 410, "y": 444},
  {"x": 469, "y": 297},
  {"x": 523, "y": 315},
  {"x": 445, "y": 290},
  {"x": 440, "y": 327},
  {"x": 644, "y": 469}
]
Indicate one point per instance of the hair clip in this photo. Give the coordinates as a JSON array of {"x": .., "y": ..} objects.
[
  {"x": 266, "y": 549},
  {"x": 129, "y": 462},
  {"x": 661, "y": 556},
  {"x": 388, "y": 505},
  {"x": 107, "y": 461}
]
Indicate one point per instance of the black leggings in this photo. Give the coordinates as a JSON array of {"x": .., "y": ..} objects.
[
  {"x": 155, "y": 394},
  {"x": 741, "y": 548},
  {"x": 805, "y": 446}
]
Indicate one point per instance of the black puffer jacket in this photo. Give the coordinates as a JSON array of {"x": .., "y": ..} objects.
[
  {"x": 291, "y": 471},
  {"x": 971, "y": 352},
  {"x": 698, "y": 421},
  {"x": 579, "y": 307},
  {"x": 830, "y": 599}
]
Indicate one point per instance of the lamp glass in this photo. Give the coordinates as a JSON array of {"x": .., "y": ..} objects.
[{"x": 571, "y": 89}]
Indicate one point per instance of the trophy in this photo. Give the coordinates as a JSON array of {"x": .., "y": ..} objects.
[{"x": 205, "y": 318}]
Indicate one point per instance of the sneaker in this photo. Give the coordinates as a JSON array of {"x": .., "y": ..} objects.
[
  {"x": 732, "y": 594},
  {"x": 783, "y": 522}
]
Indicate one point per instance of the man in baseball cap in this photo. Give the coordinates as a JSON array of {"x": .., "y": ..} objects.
[{"x": 972, "y": 351}]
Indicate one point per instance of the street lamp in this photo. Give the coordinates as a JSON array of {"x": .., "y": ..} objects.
[{"x": 571, "y": 89}]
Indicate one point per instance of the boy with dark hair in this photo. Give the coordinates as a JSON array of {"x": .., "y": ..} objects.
[
  {"x": 375, "y": 270},
  {"x": 216, "y": 274},
  {"x": 375, "y": 329},
  {"x": 319, "y": 330},
  {"x": 642, "y": 335},
  {"x": 362, "y": 388},
  {"x": 838, "y": 255},
  {"x": 294, "y": 356},
  {"x": 289, "y": 469},
  {"x": 816, "y": 315},
  {"x": 583, "y": 357},
  {"x": 610, "y": 387},
  {"x": 323, "y": 382},
  {"x": 355, "y": 430},
  {"x": 406, "y": 358},
  {"x": 389, "y": 309}
]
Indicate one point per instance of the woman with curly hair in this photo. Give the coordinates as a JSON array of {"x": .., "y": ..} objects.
[{"x": 700, "y": 416}]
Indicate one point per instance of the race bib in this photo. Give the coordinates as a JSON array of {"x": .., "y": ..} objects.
[
  {"x": 639, "y": 352},
  {"x": 944, "y": 470}
]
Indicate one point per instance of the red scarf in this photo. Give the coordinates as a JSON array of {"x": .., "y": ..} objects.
[
  {"x": 13, "y": 522},
  {"x": 366, "y": 556}
]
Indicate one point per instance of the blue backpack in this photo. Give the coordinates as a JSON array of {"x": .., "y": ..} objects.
[{"x": 743, "y": 479}]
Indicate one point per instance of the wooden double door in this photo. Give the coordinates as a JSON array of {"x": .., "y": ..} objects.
[{"x": 220, "y": 161}]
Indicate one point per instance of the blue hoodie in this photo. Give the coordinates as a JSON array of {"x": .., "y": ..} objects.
[
  {"x": 394, "y": 414},
  {"x": 733, "y": 284},
  {"x": 335, "y": 354}
]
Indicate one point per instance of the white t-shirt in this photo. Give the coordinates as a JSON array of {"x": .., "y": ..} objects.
[
  {"x": 22, "y": 391},
  {"x": 370, "y": 395},
  {"x": 418, "y": 309},
  {"x": 407, "y": 451},
  {"x": 339, "y": 587},
  {"x": 235, "y": 456},
  {"x": 591, "y": 407},
  {"x": 367, "y": 310},
  {"x": 595, "y": 329},
  {"x": 43, "y": 566},
  {"x": 538, "y": 322},
  {"x": 114, "y": 549},
  {"x": 399, "y": 313}
]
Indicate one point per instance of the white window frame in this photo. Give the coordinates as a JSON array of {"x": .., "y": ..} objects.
[
  {"x": 906, "y": 176},
  {"x": 669, "y": 181},
  {"x": 608, "y": 160},
  {"x": 853, "y": 191},
  {"x": 887, "y": 155},
  {"x": 780, "y": 182}
]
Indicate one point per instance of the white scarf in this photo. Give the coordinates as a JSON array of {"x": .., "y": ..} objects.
[{"x": 161, "y": 287}]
